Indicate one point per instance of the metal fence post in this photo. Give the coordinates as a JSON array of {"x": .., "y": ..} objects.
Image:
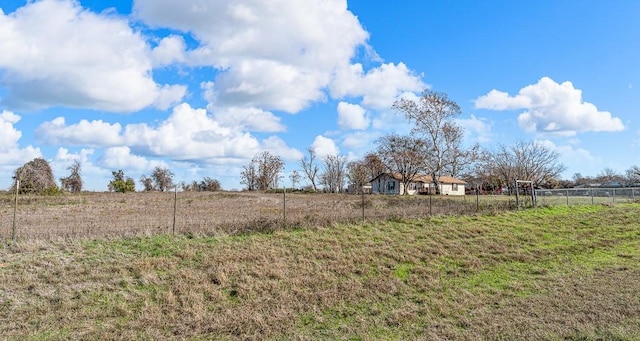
[
  {"x": 175, "y": 207},
  {"x": 15, "y": 209},
  {"x": 362, "y": 201},
  {"x": 567, "y": 192},
  {"x": 591, "y": 190},
  {"x": 614, "y": 195},
  {"x": 284, "y": 206}
]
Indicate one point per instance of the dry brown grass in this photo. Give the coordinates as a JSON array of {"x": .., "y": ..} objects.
[
  {"x": 552, "y": 273},
  {"x": 100, "y": 215}
]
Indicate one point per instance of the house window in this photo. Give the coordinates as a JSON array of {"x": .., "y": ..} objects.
[
  {"x": 454, "y": 187},
  {"x": 412, "y": 186},
  {"x": 391, "y": 185}
]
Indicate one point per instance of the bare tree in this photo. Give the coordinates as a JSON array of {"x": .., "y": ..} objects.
[
  {"x": 373, "y": 165},
  {"x": 523, "y": 161},
  {"x": 263, "y": 172},
  {"x": 357, "y": 173},
  {"x": 73, "y": 182},
  {"x": 310, "y": 168},
  {"x": 147, "y": 183},
  {"x": 402, "y": 155},
  {"x": 295, "y": 178},
  {"x": 633, "y": 175},
  {"x": 334, "y": 173},
  {"x": 433, "y": 115}
]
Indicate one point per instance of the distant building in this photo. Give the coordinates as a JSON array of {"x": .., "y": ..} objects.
[{"x": 387, "y": 183}]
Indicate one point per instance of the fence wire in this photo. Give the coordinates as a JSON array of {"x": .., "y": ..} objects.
[{"x": 100, "y": 215}]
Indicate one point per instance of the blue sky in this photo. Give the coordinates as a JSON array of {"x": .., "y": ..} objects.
[{"x": 201, "y": 86}]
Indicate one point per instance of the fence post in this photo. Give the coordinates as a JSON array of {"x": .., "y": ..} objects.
[
  {"x": 567, "y": 192},
  {"x": 515, "y": 182},
  {"x": 591, "y": 190},
  {"x": 15, "y": 209},
  {"x": 362, "y": 200},
  {"x": 614, "y": 195},
  {"x": 175, "y": 207},
  {"x": 633, "y": 195},
  {"x": 284, "y": 206},
  {"x": 430, "y": 195},
  {"x": 477, "y": 198}
]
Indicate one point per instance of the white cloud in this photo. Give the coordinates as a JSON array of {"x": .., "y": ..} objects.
[
  {"x": 577, "y": 160},
  {"x": 479, "y": 129},
  {"x": 56, "y": 53},
  {"x": 272, "y": 55},
  {"x": 122, "y": 158},
  {"x": 360, "y": 140},
  {"x": 11, "y": 155},
  {"x": 552, "y": 108},
  {"x": 277, "y": 146},
  {"x": 188, "y": 134},
  {"x": 378, "y": 87},
  {"x": 170, "y": 50},
  {"x": 324, "y": 146},
  {"x": 83, "y": 133},
  {"x": 246, "y": 118},
  {"x": 352, "y": 116}
]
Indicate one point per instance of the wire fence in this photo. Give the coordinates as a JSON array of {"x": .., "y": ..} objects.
[
  {"x": 586, "y": 196},
  {"x": 105, "y": 215}
]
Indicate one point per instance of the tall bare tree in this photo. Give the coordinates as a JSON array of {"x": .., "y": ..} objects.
[
  {"x": 295, "y": 178},
  {"x": 402, "y": 155},
  {"x": 263, "y": 172},
  {"x": 310, "y": 168},
  {"x": 523, "y": 161},
  {"x": 73, "y": 182},
  {"x": 434, "y": 118},
  {"x": 162, "y": 178},
  {"x": 373, "y": 165},
  {"x": 358, "y": 174},
  {"x": 633, "y": 175},
  {"x": 334, "y": 173}
]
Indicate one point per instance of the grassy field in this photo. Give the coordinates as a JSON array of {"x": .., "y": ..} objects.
[
  {"x": 549, "y": 273},
  {"x": 108, "y": 215}
]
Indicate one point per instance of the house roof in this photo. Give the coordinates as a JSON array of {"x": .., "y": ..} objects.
[{"x": 425, "y": 178}]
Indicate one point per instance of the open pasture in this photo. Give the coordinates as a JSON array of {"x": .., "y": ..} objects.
[
  {"x": 98, "y": 215},
  {"x": 551, "y": 273}
]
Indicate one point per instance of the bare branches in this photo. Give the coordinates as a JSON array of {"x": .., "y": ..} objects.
[
  {"x": 433, "y": 115},
  {"x": 310, "y": 168},
  {"x": 262, "y": 172},
  {"x": 402, "y": 155},
  {"x": 73, "y": 182}
]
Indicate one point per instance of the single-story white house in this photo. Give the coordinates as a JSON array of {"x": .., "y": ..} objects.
[{"x": 387, "y": 183}]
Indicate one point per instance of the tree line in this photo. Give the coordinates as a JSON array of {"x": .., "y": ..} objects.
[
  {"x": 36, "y": 177},
  {"x": 433, "y": 147}
]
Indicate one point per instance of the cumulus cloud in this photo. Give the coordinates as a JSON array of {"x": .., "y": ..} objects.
[
  {"x": 552, "y": 108},
  {"x": 264, "y": 49},
  {"x": 122, "y": 158},
  {"x": 84, "y": 133},
  {"x": 324, "y": 146},
  {"x": 188, "y": 134},
  {"x": 11, "y": 154},
  {"x": 170, "y": 50},
  {"x": 576, "y": 159},
  {"x": 56, "y": 53},
  {"x": 480, "y": 129},
  {"x": 378, "y": 87},
  {"x": 352, "y": 116}
]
